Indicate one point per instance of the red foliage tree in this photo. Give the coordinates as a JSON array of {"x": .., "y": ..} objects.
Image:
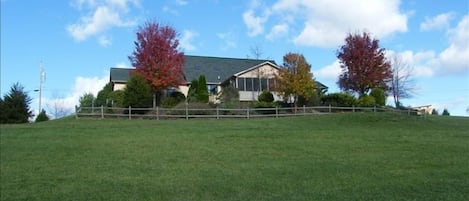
[
  {"x": 363, "y": 64},
  {"x": 156, "y": 56}
]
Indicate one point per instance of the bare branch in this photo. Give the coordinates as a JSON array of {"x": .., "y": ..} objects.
[{"x": 402, "y": 82}]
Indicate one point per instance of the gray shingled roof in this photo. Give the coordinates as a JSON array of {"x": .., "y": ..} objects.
[
  {"x": 215, "y": 69},
  {"x": 120, "y": 74}
]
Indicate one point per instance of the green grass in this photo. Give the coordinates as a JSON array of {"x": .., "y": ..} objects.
[{"x": 325, "y": 157}]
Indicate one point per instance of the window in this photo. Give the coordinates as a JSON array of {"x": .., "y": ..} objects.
[
  {"x": 241, "y": 84},
  {"x": 256, "y": 84},
  {"x": 264, "y": 85},
  {"x": 249, "y": 83},
  {"x": 212, "y": 89}
]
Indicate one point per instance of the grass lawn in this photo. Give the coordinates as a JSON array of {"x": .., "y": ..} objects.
[{"x": 372, "y": 156}]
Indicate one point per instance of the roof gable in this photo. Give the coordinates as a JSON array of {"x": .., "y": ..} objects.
[{"x": 257, "y": 66}]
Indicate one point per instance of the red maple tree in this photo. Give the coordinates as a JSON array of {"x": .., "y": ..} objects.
[
  {"x": 364, "y": 65},
  {"x": 156, "y": 56}
]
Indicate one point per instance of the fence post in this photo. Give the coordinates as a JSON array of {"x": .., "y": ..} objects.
[
  {"x": 353, "y": 108},
  {"x": 374, "y": 109},
  {"x": 102, "y": 112},
  {"x": 330, "y": 109},
  {"x": 187, "y": 111},
  {"x": 408, "y": 111},
  {"x": 276, "y": 111},
  {"x": 218, "y": 117},
  {"x": 304, "y": 110},
  {"x": 157, "y": 113},
  {"x": 247, "y": 111},
  {"x": 130, "y": 112}
]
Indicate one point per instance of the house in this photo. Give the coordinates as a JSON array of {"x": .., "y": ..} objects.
[
  {"x": 424, "y": 109},
  {"x": 249, "y": 76}
]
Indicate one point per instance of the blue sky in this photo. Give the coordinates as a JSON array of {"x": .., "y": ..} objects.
[{"x": 77, "y": 41}]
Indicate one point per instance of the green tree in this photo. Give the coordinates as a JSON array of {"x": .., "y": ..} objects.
[
  {"x": 15, "y": 106},
  {"x": 434, "y": 112},
  {"x": 266, "y": 96},
  {"x": 42, "y": 116},
  {"x": 87, "y": 100},
  {"x": 295, "y": 78},
  {"x": 445, "y": 112},
  {"x": 379, "y": 95},
  {"x": 366, "y": 101},
  {"x": 339, "y": 99},
  {"x": 102, "y": 99},
  {"x": 202, "y": 91},
  {"x": 192, "y": 93},
  {"x": 117, "y": 98},
  {"x": 137, "y": 93}
]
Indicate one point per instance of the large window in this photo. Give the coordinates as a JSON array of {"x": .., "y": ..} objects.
[
  {"x": 249, "y": 83},
  {"x": 255, "y": 84},
  {"x": 241, "y": 84},
  {"x": 264, "y": 84}
]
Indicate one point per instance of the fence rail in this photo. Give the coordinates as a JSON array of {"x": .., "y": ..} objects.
[{"x": 219, "y": 113}]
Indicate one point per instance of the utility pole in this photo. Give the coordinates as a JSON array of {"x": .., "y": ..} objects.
[{"x": 42, "y": 74}]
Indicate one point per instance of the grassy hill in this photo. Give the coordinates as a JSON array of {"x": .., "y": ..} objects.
[{"x": 374, "y": 156}]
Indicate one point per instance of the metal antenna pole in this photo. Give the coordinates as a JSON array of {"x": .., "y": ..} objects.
[{"x": 41, "y": 79}]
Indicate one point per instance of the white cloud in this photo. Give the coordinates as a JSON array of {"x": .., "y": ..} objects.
[
  {"x": 229, "y": 40},
  {"x": 277, "y": 31},
  {"x": 81, "y": 86},
  {"x": 455, "y": 58},
  {"x": 181, "y": 2},
  {"x": 122, "y": 65},
  {"x": 422, "y": 63},
  {"x": 440, "y": 21},
  {"x": 104, "y": 41},
  {"x": 186, "y": 40},
  {"x": 329, "y": 72},
  {"x": 255, "y": 24},
  {"x": 326, "y": 22},
  {"x": 452, "y": 60},
  {"x": 168, "y": 9},
  {"x": 101, "y": 15}
]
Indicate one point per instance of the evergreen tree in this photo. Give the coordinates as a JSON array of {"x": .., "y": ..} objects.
[
  {"x": 15, "y": 106},
  {"x": 137, "y": 93},
  {"x": 445, "y": 112},
  {"x": 42, "y": 116},
  {"x": 102, "y": 99},
  {"x": 117, "y": 98},
  {"x": 202, "y": 91},
  {"x": 87, "y": 100},
  {"x": 192, "y": 93}
]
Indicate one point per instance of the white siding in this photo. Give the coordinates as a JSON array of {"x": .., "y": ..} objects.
[
  {"x": 265, "y": 71},
  {"x": 119, "y": 86}
]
